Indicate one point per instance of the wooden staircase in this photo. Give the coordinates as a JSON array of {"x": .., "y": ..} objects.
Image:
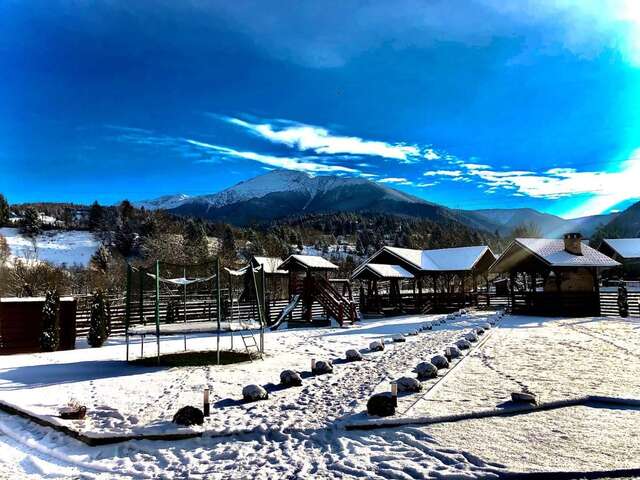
[{"x": 337, "y": 305}]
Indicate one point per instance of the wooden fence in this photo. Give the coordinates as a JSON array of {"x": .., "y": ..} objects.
[
  {"x": 609, "y": 304},
  {"x": 197, "y": 309}
]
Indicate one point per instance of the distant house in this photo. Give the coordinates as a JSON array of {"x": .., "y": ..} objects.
[
  {"x": 627, "y": 252},
  {"x": 441, "y": 278},
  {"x": 553, "y": 276}
]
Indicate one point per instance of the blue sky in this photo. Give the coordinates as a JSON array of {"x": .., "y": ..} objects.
[{"x": 472, "y": 104}]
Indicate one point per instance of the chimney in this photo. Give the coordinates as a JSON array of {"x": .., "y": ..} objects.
[{"x": 572, "y": 243}]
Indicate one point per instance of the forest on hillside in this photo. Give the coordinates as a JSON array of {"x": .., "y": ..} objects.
[{"x": 139, "y": 237}]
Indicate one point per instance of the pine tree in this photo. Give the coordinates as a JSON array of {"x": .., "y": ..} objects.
[
  {"x": 100, "y": 326},
  {"x": 31, "y": 223},
  {"x": 126, "y": 210},
  {"x": 50, "y": 335},
  {"x": 96, "y": 216},
  {"x": 4, "y": 211}
]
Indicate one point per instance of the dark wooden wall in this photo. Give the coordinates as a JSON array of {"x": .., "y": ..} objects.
[{"x": 21, "y": 325}]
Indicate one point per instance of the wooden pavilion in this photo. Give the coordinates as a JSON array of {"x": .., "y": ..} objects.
[
  {"x": 409, "y": 280},
  {"x": 551, "y": 277}
]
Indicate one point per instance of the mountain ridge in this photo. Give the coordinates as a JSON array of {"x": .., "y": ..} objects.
[{"x": 283, "y": 193}]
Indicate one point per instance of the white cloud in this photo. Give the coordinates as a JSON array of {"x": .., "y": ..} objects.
[
  {"x": 605, "y": 189},
  {"x": 443, "y": 173},
  {"x": 431, "y": 154},
  {"x": 396, "y": 180},
  {"x": 475, "y": 166},
  {"x": 426, "y": 185},
  {"x": 321, "y": 141},
  {"x": 273, "y": 161}
]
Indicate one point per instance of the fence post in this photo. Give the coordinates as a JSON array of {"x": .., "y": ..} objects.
[
  {"x": 218, "y": 309},
  {"x": 157, "y": 312},
  {"x": 127, "y": 308}
]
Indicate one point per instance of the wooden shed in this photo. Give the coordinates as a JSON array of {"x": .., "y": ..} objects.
[
  {"x": 21, "y": 324},
  {"x": 553, "y": 276}
]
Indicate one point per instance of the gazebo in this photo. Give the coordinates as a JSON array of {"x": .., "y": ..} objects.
[
  {"x": 441, "y": 279},
  {"x": 553, "y": 276}
]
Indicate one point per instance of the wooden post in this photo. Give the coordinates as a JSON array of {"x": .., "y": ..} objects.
[
  {"x": 157, "y": 310},
  {"x": 596, "y": 286},
  {"x": 141, "y": 297},
  {"x": 127, "y": 309},
  {"x": 218, "y": 308}
]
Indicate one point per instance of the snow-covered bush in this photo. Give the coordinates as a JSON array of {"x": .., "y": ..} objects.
[
  {"x": 322, "y": 367},
  {"x": 427, "y": 326},
  {"x": 381, "y": 404},
  {"x": 290, "y": 378},
  {"x": 253, "y": 393},
  {"x": 440, "y": 361},
  {"x": 50, "y": 335},
  {"x": 426, "y": 370},
  {"x": 479, "y": 331},
  {"x": 398, "y": 337},
  {"x": 412, "y": 333},
  {"x": 100, "y": 326},
  {"x": 353, "y": 355},
  {"x": 376, "y": 346},
  {"x": 408, "y": 384},
  {"x": 463, "y": 344}
]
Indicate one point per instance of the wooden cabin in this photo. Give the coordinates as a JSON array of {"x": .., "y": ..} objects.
[
  {"x": 422, "y": 280},
  {"x": 551, "y": 277},
  {"x": 626, "y": 251}
]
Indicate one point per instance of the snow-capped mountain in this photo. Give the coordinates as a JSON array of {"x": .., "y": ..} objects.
[
  {"x": 166, "y": 202},
  {"x": 282, "y": 193}
]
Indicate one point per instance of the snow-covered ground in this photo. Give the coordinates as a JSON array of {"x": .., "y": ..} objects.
[
  {"x": 297, "y": 432},
  {"x": 269, "y": 435},
  {"x": 59, "y": 247},
  {"x": 557, "y": 359}
]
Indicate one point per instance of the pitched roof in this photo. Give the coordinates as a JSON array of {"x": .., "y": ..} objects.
[
  {"x": 442, "y": 259},
  {"x": 385, "y": 271},
  {"x": 552, "y": 252},
  {"x": 309, "y": 261},
  {"x": 270, "y": 264},
  {"x": 625, "y": 247}
]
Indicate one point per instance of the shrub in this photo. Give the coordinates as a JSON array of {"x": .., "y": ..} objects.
[
  {"x": 100, "y": 327},
  {"x": 50, "y": 336}
]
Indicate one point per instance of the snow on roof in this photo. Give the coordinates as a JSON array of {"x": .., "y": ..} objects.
[
  {"x": 311, "y": 261},
  {"x": 625, "y": 247},
  {"x": 270, "y": 264},
  {"x": 388, "y": 271},
  {"x": 442, "y": 259},
  {"x": 552, "y": 251}
]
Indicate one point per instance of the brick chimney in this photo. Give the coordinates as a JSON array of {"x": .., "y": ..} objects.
[{"x": 572, "y": 243}]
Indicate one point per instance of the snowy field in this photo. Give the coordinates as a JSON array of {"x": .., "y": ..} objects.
[
  {"x": 298, "y": 432},
  {"x": 59, "y": 247}
]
